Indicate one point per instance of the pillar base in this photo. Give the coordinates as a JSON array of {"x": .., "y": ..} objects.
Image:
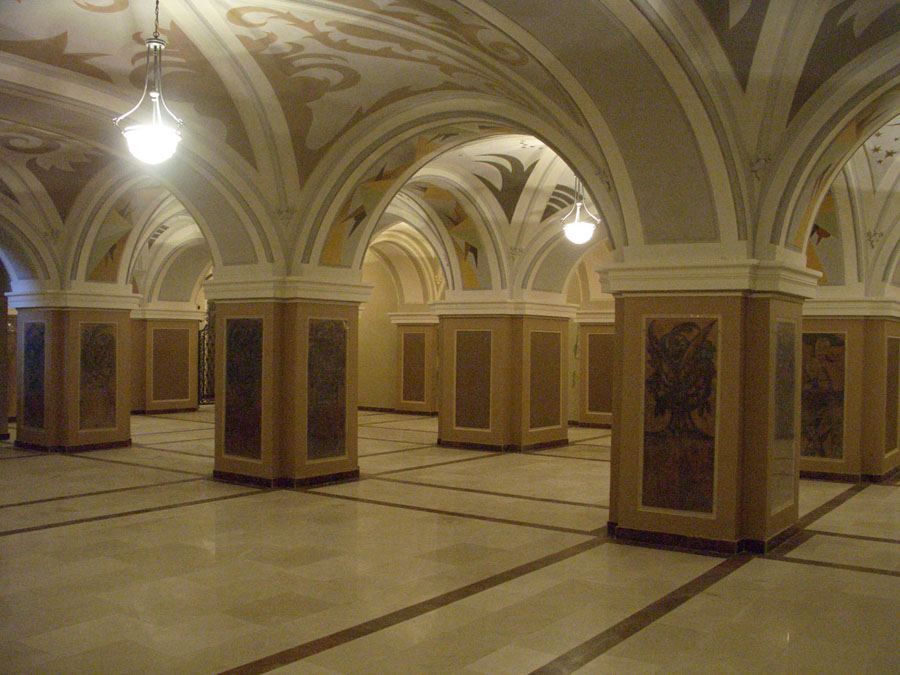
[
  {"x": 502, "y": 448},
  {"x": 700, "y": 544},
  {"x": 72, "y": 448},
  {"x": 257, "y": 481},
  {"x": 165, "y": 410}
]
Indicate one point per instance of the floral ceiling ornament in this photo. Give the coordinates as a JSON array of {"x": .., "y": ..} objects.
[{"x": 155, "y": 142}]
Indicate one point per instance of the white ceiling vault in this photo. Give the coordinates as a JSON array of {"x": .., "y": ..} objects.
[{"x": 702, "y": 129}]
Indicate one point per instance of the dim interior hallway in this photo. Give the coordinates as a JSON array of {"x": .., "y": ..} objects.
[{"x": 437, "y": 560}]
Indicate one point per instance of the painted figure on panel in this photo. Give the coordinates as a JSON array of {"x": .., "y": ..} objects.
[
  {"x": 822, "y": 412},
  {"x": 680, "y": 414}
]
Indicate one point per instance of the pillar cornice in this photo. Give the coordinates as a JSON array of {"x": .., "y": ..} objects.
[
  {"x": 852, "y": 307},
  {"x": 709, "y": 276},
  {"x": 504, "y": 303},
  {"x": 80, "y": 295}
]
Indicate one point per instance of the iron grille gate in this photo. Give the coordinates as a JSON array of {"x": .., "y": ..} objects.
[{"x": 207, "y": 358}]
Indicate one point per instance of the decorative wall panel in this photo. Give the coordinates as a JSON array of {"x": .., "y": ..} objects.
[
  {"x": 680, "y": 388},
  {"x": 546, "y": 350},
  {"x": 327, "y": 389},
  {"x": 414, "y": 367},
  {"x": 599, "y": 376},
  {"x": 171, "y": 363},
  {"x": 892, "y": 395},
  {"x": 473, "y": 380},
  {"x": 243, "y": 387},
  {"x": 822, "y": 395},
  {"x": 33, "y": 375},
  {"x": 781, "y": 478},
  {"x": 97, "y": 391}
]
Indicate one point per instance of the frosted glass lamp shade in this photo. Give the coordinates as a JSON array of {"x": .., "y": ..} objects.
[
  {"x": 579, "y": 231},
  {"x": 152, "y": 143}
]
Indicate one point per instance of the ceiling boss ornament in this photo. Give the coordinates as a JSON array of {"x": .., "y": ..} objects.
[{"x": 154, "y": 142}]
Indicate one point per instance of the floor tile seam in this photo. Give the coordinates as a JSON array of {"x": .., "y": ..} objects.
[
  {"x": 82, "y": 455},
  {"x": 391, "y": 452},
  {"x": 174, "y": 452},
  {"x": 135, "y": 512},
  {"x": 26, "y": 455},
  {"x": 594, "y": 647},
  {"x": 176, "y": 419},
  {"x": 820, "y": 511},
  {"x": 489, "y": 492},
  {"x": 394, "y": 440},
  {"x": 538, "y": 453},
  {"x": 837, "y": 566},
  {"x": 101, "y": 492},
  {"x": 858, "y": 537},
  {"x": 456, "y": 514},
  {"x": 431, "y": 466},
  {"x": 208, "y": 427},
  {"x": 366, "y": 628}
]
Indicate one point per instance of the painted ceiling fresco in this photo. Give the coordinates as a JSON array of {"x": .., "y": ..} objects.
[
  {"x": 883, "y": 150},
  {"x": 825, "y": 251},
  {"x": 737, "y": 25}
]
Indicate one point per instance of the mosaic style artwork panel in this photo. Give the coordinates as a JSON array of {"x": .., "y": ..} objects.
[
  {"x": 33, "y": 376},
  {"x": 781, "y": 478},
  {"x": 680, "y": 386},
  {"x": 822, "y": 395},
  {"x": 243, "y": 387},
  {"x": 327, "y": 389},
  {"x": 97, "y": 402}
]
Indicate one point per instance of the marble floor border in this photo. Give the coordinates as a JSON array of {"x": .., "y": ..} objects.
[
  {"x": 174, "y": 452},
  {"x": 136, "y": 512},
  {"x": 538, "y": 453},
  {"x": 834, "y": 566},
  {"x": 457, "y": 514},
  {"x": 431, "y": 466},
  {"x": 26, "y": 454},
  {"x": 601, "y": 643},
  {"x": 485, "y": 492},
  {"x": 393, "y": 452},
  {"x": 800, "y": 527},
  {"x": 207, "y": 427},
  {"x": 143, "y": 466},
  {"x": 101, "y": 492},
  {"x": 307, "y": 649},
  {"x": 862, "y": 537}
]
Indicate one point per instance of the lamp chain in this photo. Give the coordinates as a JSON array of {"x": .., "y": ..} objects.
[{"x": 156, "y": 23}]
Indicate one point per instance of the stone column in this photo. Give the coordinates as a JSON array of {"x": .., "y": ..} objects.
[
  {"x": 706, "y": 426},
  {"x": 164, "y": 364},
  {"x": 850, "y": 392},
  {"x": 286, "y": 382},
  {"x": 417, "y": 368},
  {"x": 503, "y": 378},
  {"x": 5, "y": 367},
  {"x": 74, "y": 378}
]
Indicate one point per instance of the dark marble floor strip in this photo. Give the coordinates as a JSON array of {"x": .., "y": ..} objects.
[
  {"x": 143, "y": 466},
  {"x": 169, "y": 450},
  {"x": 836, "y": 566},
  {"x": 486, "y": 492},
  {"x": 538, "y": 453},
  {"x": 208, "y": 427},
  {"x": 862, "y": 537},
  {"x": 100, "y": 492},
  {"x": 307, "y": 649},
  {"x": 174, "y": 416},
  {"x": 395, "y": 440},
  {"x": 26, "y": 456},
  {"x": 431, "y": 466},
  {"x": 392, "y": 452},
  {"x": 405, "y": 419},
  {"x": 151, "y": 509},
  {"x": 456, "y": 514},
  {"x": 602, "y": 643},
  {"x": 805, "y": 521}
]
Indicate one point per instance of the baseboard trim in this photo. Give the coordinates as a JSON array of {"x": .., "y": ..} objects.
[
  {"x": 72, "y": 448},
  {"x": 310, "y": 481},
  {"x": 501, "y": 448}
]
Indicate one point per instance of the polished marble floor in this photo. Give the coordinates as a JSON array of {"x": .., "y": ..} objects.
[{"x": 436, "y": 561}]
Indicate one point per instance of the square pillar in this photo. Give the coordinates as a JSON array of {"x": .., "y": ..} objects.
[
  {"x": 74, "y": 379},
  {"x": 417, "y": 368},
  {"x": 164, "y": 365},
  {"x": 503, "y": 382},
  {"x": 707, "y": 419},
  {"x": 286, "y": 391}
]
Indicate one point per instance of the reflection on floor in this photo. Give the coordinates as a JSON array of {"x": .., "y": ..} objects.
[{"x": 437, "y": 560}]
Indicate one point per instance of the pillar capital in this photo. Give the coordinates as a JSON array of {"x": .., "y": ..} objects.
[
  {"x": 77, "y": 295},
  {"x": 518, "y": 302},
  {"x": 709, "y": 276},
  {"x": 329, "y": 284}
]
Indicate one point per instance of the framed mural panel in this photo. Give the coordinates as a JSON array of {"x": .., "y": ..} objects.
[
  {"x": 544, "y": 363},
  {"x": 784, "y": 382},
  {"x": 243, "y": 387},
  {"x": 601, "y": 351},
  {"x": 326, "y": 403},
  {"x": 97, "y": 381},
  {"x": 678, "y": 460},
  {"x": 413, "y": 367},
  {"x": 822, "y": 395},
  {"x": 892, "y": 395},
  {"x": 472, "y": 409},
  {"x": 34, "y": 342}
]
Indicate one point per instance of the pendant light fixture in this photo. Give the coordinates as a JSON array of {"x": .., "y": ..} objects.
[
  {"x": 579, "y": 223},
  {"x": 154, "y": 142}
]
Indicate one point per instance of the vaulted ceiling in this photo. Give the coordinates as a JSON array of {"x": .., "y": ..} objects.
[{"x": 312, "y": 126}]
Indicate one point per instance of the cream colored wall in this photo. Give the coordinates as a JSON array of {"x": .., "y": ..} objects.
[{"x": 378, "y": 339}]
